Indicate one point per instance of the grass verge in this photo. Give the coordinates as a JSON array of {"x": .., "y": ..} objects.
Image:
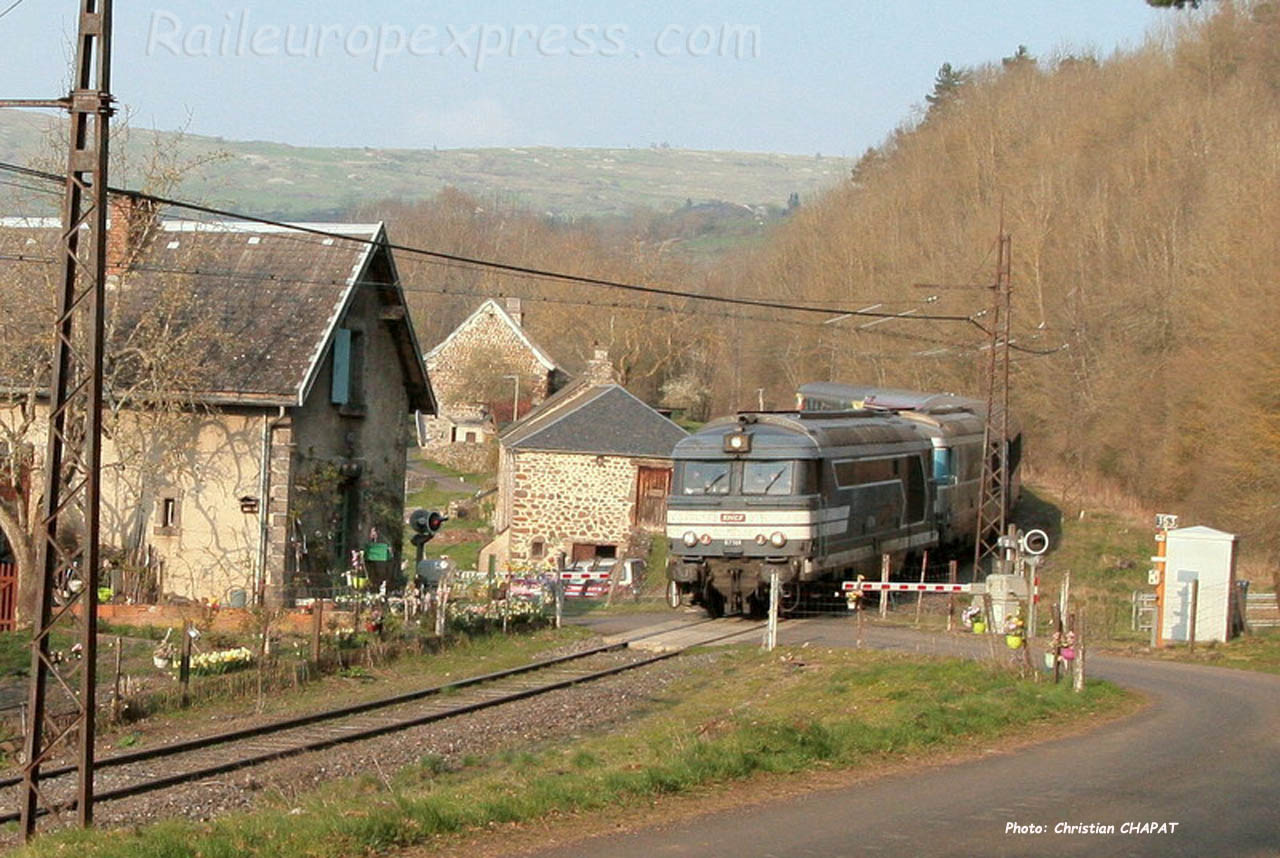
[
  {"x": 742, "y": 714},
  {"x": 1259, "y": 651}
]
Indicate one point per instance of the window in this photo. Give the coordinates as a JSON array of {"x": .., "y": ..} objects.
[
  {"x": 767, "y": 478},
  {"x": 916, "y": 492},
  {"x": 168, "y": 513},
  {"x": 859, "y": 472},
  {"x": 704, "y": 478},
  {"x": 942, "y": 464}
]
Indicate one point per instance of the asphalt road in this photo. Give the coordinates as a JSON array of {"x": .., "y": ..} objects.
[{"x": 1204, "y": 755}]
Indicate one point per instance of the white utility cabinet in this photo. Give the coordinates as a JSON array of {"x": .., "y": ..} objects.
[{"x": 1208, "y": 556}]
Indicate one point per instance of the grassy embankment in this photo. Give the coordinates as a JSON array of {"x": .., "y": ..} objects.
[
  {"x": 1108, "y": 554},
  {"x": 741, "y": 715}
]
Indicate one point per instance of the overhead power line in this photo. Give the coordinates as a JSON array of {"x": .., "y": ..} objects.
[
  {"x": 542, "y": 273},
  {"x": 14, "y": 5},
  {"x": 451, "y": 259}
]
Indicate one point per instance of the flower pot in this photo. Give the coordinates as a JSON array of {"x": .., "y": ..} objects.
[
  {"x": 161, "y": 662},
  {"x": 979, "y": 627},
  {"x": 1048, "y": 661},
  {"x": 1013, "y": 641},
  {"x": 1068, "y": 653}
]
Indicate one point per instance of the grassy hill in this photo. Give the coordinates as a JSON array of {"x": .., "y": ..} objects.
[{"x": 278, "y": 180}]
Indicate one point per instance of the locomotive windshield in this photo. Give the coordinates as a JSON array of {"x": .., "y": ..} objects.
[
  {"x": 767, "y": 478},
  {"x": 704, "y": 478}
]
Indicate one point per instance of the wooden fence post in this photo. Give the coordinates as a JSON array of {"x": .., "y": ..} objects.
[
  {"x": 184, "y": 666},
  {"x": 884, "y": 579},
  {"x": 1057, "y": 643},
  {"x": 1078, "y": 667},
  {"x": 953, "y": 568},
  {"x": 924, "y": 564},
  {"x": 317, "y": 611},
  {"x": 115, "y": 696}
]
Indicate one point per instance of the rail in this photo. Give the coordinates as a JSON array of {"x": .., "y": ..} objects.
[{"x": 340, "y": 734}]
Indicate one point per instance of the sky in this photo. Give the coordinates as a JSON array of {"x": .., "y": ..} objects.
[{"x": 798, "y": 77}]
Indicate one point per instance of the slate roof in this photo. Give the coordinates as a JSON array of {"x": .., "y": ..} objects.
[
  {"x": 600, "y": 419},
  {"x": 276, "y": 295}
]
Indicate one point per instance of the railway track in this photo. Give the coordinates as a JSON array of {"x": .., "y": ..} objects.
[{"x": 154, "y": 769}]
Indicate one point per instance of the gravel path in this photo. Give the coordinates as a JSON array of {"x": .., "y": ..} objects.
[{"x": 594, "y": 707}]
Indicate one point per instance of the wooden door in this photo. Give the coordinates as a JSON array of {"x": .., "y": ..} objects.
[{"x": 652, "y": 487}]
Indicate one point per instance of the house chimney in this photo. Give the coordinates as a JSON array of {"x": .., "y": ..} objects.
[
  {"x": 515, "y": 311},
  {"x": 599, "y": 369},
  {"x": 129, "y": 223}
]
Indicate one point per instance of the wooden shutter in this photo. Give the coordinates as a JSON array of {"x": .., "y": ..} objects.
[{"x": 341, "y": 392}]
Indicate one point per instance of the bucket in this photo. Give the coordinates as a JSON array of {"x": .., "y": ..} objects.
[
  {"x": 979, "y": 627},
  {"x": 1048, "y": 661},
  {"x": 1013, "y": 641}
]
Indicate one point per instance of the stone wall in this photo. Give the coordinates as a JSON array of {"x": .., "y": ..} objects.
[
  {"x": 488, "y": 332},
  {"x": 563, "y": 498}
]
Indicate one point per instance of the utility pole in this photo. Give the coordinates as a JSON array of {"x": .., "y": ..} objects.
[
  {"x": 993, "y": 502},
  {"x": 67, "y": 555}
]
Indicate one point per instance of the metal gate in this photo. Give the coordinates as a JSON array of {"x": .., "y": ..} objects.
[{"x": 8, "y": 596}]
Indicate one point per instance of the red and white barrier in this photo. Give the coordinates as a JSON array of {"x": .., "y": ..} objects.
[
  {"x": 584, "y": 585},
  {"x": 908, "y": 587}
]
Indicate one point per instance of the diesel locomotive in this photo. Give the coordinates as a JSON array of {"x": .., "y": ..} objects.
[{"x": 819, "y": 494}]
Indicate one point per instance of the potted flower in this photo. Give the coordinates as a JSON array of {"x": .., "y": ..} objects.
[{"x": 162, "y": 656}]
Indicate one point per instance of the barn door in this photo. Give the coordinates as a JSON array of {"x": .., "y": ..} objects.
[{"x": 652, "y": 487}]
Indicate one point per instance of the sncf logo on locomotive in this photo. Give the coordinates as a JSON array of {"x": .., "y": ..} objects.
[{"x": 733, "y": 516}]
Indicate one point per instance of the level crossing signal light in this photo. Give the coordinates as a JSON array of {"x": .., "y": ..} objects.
[{"x": 425, "y": 525}]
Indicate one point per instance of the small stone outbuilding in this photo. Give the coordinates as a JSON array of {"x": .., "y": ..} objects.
[
  {"x": 582, "y": 476},
  {"x": 487, "y": 372}
]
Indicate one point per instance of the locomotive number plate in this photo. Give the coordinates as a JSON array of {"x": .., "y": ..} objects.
[{"x": 733, "y": 543}]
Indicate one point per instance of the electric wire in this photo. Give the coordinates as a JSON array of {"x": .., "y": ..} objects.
[
  {"x": 14, "y": 5},
  {"x": 527, "y": 272},
  {"x": 487, "y": 263}
]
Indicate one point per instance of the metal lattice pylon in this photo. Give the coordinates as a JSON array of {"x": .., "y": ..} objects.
[
  {"x": 62, "y": 700},
  {"x": 993, "y": 503}
]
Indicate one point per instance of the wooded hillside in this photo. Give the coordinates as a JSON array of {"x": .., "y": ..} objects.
[{"x": 1142, "y": 193}]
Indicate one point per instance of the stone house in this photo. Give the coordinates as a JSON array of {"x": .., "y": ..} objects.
[
  {"x": 581, "y": 475},
  {"x": 287, "y": 446},
  {"x": 487, "y": 371}
]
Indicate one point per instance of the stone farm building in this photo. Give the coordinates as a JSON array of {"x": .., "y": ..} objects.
[
  {"x": 582, "y": 475},
  {"x": 485, "y": 371},
  {"x": 293, "y": 366}
]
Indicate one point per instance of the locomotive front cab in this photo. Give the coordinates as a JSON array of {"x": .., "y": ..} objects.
[{"x": 744, "y": 504}]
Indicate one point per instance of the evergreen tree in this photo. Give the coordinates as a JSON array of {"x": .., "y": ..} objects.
[
  {"x": 1021, "y": 59},
  {"x": 947, "y": 85}
]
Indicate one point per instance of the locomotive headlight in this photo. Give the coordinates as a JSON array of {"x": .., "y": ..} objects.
[
  {"x": 777, "y": 539},
  {"x": 690, "y": 538},
  {"x": 737, "y": 442}
]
